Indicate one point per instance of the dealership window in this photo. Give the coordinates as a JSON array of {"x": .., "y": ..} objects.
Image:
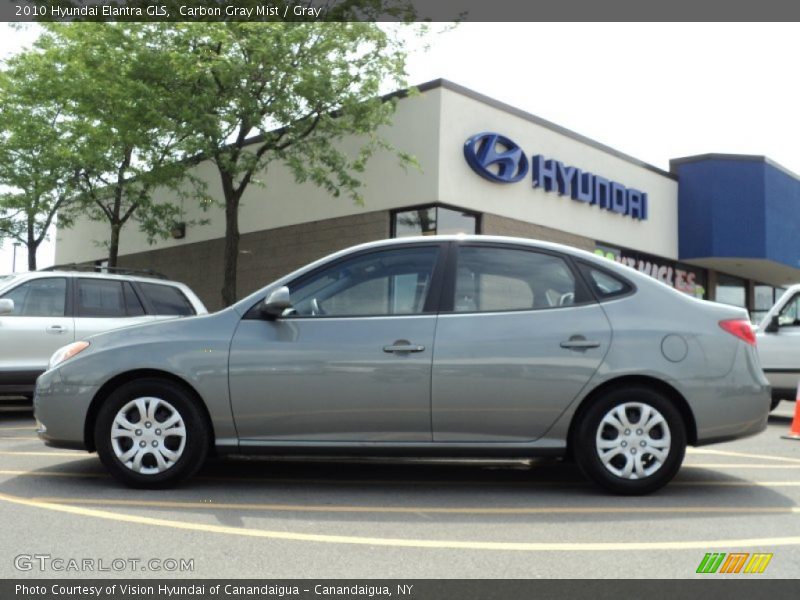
[
  {"x": 731, "y": 290},
  {"x": 685, "y": 278},
  {"x": 433, "y": 220}
]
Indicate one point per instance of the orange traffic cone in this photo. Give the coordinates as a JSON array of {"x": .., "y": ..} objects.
[{"x": 794, "y": 430}]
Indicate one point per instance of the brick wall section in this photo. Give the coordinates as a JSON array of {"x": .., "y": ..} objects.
[
  {"x": 264, "y": 255},
  {"x": 497, "y": 225}
]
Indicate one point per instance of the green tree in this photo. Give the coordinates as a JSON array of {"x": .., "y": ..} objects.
[
  {"x": 38, "y": 165},
  {"x": 287, "y": 93},
  {"x": 109, "y": 75}
]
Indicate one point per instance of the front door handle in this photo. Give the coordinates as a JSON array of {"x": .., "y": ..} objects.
[
  {"x": 56, "y": 329},
  {"x": 401, "y": 346},
  {"x": 578, "y": 342}
]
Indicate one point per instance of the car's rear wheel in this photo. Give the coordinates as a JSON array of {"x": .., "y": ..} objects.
[
  {"x": 630, "y": 440},
  {"x": 150, "y": 433}
]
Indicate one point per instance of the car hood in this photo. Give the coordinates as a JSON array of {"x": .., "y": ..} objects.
[{"x": 164, "y": 330}]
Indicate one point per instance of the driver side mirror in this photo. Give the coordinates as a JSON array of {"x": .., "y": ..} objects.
[
  {"x": 276, "y": 303},
  {"x": 6, "y": 306},
  {"x": 773, "y": 325}
]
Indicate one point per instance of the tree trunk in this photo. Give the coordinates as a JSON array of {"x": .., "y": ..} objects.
[
  {"x": 231, "y": 255},
  {"x": 113, "y": 245},
  {"x": 32, "y": 246},
  {"x": 32, "y": 257}
]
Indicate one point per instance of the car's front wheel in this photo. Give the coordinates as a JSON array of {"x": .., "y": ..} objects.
[
  {"x": 150, "y": 433},
  {"x": 630, "y": 440}
]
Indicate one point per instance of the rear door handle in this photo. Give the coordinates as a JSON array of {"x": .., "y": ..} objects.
[
  {"x": 56, "y": 329},
  {"x": 579, "y": 343},
  {"x": 401, "y": 346}
]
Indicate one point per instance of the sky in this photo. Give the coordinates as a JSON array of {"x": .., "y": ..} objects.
[{"x": 654, "y": 91}]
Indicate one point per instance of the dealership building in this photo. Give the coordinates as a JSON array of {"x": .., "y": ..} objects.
[{"x": 718, "y": 226}]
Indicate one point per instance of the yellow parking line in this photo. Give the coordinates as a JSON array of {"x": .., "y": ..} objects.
[
  {"x": 405, "y": 543},
  {"x": 742, "y": 455},
  {"x": 50, "y": 474},
  {"x": 731, "y": 466},
  {"x": 211, "y": 505},
  {"x": 27, "y": 427},
  {"x": 18, "y": 437},
  {"x": 740, "y": 483},
  {"x": 51, "y": 453}
]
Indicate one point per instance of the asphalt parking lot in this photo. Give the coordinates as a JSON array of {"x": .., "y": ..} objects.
[{"x": 287, "y": 519}]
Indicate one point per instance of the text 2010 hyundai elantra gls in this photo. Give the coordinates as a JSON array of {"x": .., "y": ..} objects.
[{"x": 447, "y": 346}]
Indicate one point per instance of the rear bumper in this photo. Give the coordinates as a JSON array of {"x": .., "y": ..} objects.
[{"x": 734, "y": 406}]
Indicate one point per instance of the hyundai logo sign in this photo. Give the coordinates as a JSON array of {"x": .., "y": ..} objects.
[{"x": 498, "y": 159}]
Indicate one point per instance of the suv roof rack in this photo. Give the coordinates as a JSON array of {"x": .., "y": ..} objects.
[{"x": 103, "y": 269}]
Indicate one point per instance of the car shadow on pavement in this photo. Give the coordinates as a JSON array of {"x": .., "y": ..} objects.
[{"x": 238, "y": 493}]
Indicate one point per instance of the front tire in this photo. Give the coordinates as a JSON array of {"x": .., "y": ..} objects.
[
  {"x": 150, "y": 433},
  {"x": 630, "y": 440}
]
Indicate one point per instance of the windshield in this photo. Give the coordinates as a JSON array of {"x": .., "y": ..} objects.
[{"x": 4, "y": 279}]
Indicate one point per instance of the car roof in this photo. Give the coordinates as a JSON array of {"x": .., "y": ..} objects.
[
  {"x": 477, "y": 238},
  {"x": 92, "y": 275}
]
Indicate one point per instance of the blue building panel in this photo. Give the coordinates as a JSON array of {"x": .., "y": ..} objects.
[
  {"x": 737, "y": 207},
  {"x": 782, "y": 211}
]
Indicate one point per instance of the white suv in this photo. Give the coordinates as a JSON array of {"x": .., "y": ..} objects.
[{"x": 42, "y": 311}]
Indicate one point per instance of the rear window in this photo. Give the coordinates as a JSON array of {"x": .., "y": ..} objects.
[
  {"x": 167, "y": 300},
  {"x": 604, "y": 284}
]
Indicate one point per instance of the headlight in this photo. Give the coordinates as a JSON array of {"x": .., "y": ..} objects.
[{"x": 66, "y": 352}]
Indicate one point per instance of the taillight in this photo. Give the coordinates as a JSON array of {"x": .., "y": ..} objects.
[{"x": 741, "y": 328}]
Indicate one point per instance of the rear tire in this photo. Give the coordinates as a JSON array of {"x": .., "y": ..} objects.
[
  {"x": 631, "y": 440},
  {"x": 150, "y": 433}
]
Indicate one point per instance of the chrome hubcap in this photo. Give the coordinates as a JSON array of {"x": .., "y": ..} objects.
[
  {"x": 148, "y": 435},
  {"x": 633, "y": 440}
]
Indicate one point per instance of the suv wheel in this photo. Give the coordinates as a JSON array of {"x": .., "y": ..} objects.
[
  {"x": 150, "y": 433},
  {"x": 630, "y": 441}
]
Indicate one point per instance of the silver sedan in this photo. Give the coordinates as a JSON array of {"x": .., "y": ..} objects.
[{"x": 470, "y": 346}]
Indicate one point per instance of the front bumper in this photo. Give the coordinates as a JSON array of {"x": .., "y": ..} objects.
[{"x": 61, "y": 411}]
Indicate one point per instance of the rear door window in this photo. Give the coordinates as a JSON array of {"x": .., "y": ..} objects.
[
  {"x": 102, "y": 298},
  {"x": 167, "y": 300},
  {"x": 491, "y": 279}
]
